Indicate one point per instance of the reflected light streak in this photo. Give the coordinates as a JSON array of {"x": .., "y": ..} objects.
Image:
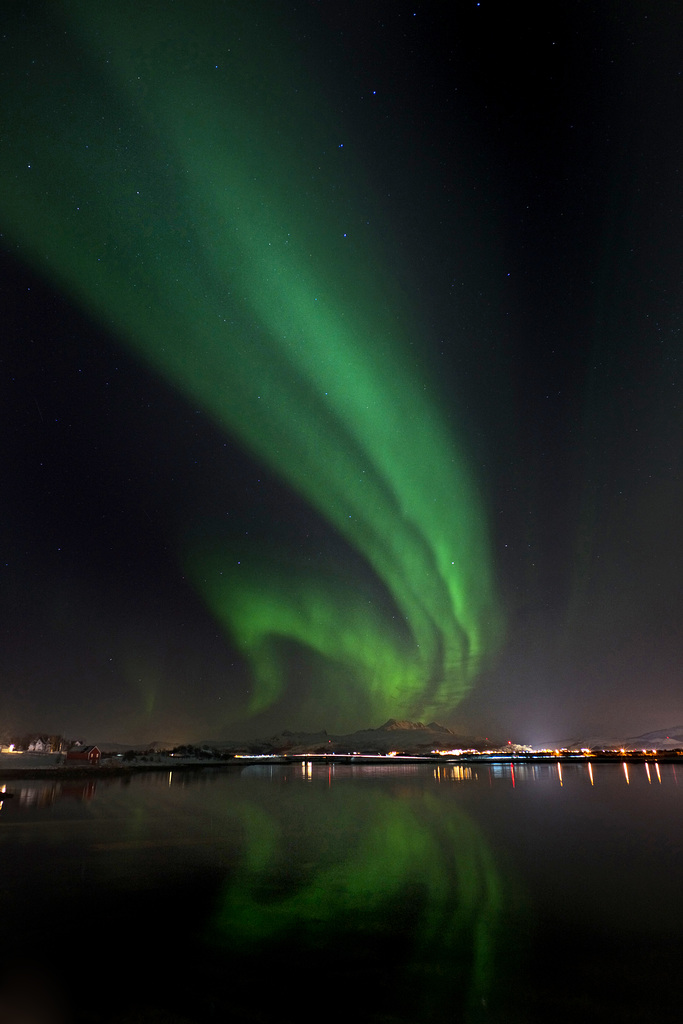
[
  {"x": 454, "y": 773},
  {"x": 590, "y": 772},
  {"x": 625, "y": 767}
]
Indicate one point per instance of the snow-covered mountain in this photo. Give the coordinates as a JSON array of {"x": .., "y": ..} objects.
[
  {"x": 659, "y": 739},
  {"x": 399, "y": 735}
]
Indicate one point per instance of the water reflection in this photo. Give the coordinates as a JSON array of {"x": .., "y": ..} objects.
[
  {"x": 398, "y": 881},
  {"x": 378, "y": 879},
  {"x": 36, "y": 794},
  {"x": 515, "y": 773},
  {"x": 453, "y": 773}
]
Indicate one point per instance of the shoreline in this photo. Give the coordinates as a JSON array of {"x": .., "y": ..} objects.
[{"x": 106, "y": 771}]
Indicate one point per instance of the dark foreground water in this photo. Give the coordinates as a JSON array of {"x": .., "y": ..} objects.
[{"x": 378, "y": 894}]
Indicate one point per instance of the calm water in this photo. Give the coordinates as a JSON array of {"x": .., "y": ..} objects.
[{"x": 388, "y": 894}]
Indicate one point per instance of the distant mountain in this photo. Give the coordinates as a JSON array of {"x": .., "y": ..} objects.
[
  {"x": 117, "y": 748},
  {"x": 392, "y": 725},
  {"x": 402, "y": 736},
  {"x": 660, "y": 739},
  {"x": 406, "y": 737},
  {"x": 121, "y": 748}
]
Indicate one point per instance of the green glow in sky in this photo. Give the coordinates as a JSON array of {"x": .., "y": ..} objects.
[{"x": 183, "y": 180}]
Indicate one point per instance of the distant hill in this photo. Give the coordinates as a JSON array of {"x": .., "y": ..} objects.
[
  {"x": 391, "y": 725},
  {"x": 407, "y": 737},
  {"x": 400, "y": 735},
  {"x": 660, "y": 739},
  {"x": 121, "y": 748}
]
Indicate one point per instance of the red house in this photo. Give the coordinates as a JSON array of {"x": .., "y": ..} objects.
[{"x": 89, "y": 755}]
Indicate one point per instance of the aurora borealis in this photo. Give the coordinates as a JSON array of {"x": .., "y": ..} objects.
[{"x": 342, "y": 354}]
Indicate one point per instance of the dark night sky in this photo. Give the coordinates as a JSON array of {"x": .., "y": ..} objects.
[{"x": 516, "y": 173}]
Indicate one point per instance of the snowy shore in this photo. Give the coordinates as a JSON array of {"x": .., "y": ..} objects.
[{"x": 28, "y": 765}]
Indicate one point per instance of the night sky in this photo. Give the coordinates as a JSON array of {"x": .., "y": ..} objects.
[{"x": 341, "y": 367}]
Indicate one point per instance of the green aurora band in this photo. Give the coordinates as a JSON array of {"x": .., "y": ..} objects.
[{"x": 172, "y": 169}]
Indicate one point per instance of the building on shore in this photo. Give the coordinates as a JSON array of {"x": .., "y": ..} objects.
[{"x": 84, "y": 755}]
